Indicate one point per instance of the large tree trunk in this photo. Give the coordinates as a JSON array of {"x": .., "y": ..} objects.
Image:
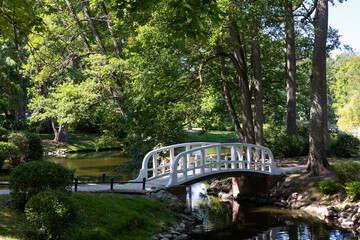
[
  {"x": 258, "y": 89},
  {"x": 245, "y": 97},
  {"x": 290, "y": 68},
  {"x": 21, "y": 98},
  {"x": 227, "y": 98},
  {"x": 92, "y": 27},
  {"x": 61, "y": 133},
  {"x": 317, "y": 162}
]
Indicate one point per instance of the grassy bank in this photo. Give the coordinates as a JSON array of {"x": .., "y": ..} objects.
[
  {"x": 76, "y": 141},
  {"x": 109, "y": 216},
  {"x": 209, "y": 136}
]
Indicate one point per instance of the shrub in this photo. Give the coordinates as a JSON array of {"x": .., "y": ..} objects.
[
  {"x": 346, "y": 145},
  {"x": 4, "y": 133},
  {"x": 353, "y": 189},
  {"x": 8, "y": 151},
  {"x": 30, "y": 178},
  {"x": 282, "y": 145},
  {"x": 328, "y": 187},
  {"x": 29, "y": 145},
  {"x": 50, "y": 213},
  {"x": 347, "y": 171}
]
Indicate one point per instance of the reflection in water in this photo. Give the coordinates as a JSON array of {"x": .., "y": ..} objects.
[
  {"x": 233, "y": 220},
  {"x": 94, "y": 164}
]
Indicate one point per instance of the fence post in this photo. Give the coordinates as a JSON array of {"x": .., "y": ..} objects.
[
  {"x": 112, "y": 183},
  {"x": 103, "y": 177},
  {"x": 76, "y": 184},
  {"x": 144, "y": 180}
]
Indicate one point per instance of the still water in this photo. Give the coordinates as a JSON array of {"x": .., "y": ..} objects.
[
  {"x": 233, "y": 220},
  {"x": 94, "y": 164}
]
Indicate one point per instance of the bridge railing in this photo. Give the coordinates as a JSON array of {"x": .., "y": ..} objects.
[
  {"x": 159, "y": 162},
  {"x": 226, "y": 157}
]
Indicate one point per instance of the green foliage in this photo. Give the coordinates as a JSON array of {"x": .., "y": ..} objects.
[
  {"x": 328, "y": 187},
  {"x": 28, "y": 179},
  {"x": 282, "y": 145},
  {"x": 353, "y": 189},
  {"x": 346, "y": 145},
  {"x": 3, "y": 134},
  {"x": 40, "y": 127},
  {"x": 347, "y": 171},
  {"x": 50, "y": 213},
  {"x": 29, "y": 145},
  {"x": 9, "y": 152}
]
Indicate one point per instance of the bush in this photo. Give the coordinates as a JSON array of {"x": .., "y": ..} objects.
[
  {"x": 328, "y": 187},
  {"x": 50, "y": 213},
  {"x": 29, "y": 145},
  {"x": 4, "y": 133},
  {"x": 282, "y": 145},
  {"x": 43, "y": 126},
  {"x": 8, "y": 151},
  {"x": 346, "y": 145},
  {"x": 353, "y": 189},
  {"x": 347, "y": 171},
  {"x": 28, "y": 179}
]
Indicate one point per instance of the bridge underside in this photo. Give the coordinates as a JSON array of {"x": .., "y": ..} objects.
[{"x": 226, "y": 174}]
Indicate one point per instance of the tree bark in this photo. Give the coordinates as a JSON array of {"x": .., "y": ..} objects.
[
  {"x": 245, "y": 98},
  {"x": 21, "y": 98},
  {"x": 108, "y": 21},
  {"x": 78, "y": 25},
  {"x": 290, "y": 60},
  {"x": 92, "y": 27},
  {"x": 317, "y": 162},
  {"x": 258, "y": 89},
  {"x": 61, "y": 134}
]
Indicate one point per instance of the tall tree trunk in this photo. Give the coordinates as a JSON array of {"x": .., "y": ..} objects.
[
  {"x": 21, "y": 99},
  {"x": 245, "y": 98},
  {"x": 108, "y": 21},
  {"x": 258, "y": 89},
  {"x": 227, "y": 99},
  {"x": 317, "y": 162},
  {"x": 92, "y": 27},
  {"x": 290, "y": 60}
]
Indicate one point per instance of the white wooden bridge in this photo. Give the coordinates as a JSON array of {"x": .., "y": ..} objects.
[{"x": 186, "y": 163}]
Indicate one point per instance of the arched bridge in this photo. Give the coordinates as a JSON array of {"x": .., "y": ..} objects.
[{"x": 186, "y": 163}]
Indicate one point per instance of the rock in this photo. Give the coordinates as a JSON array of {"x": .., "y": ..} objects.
[
  {"x": 344, "y": 215},
  {"x": 165, "y": 238},
  {"x": 214, "y": 184},
  {"x": 226, "y": 188},
  {"x": 355, "y": 217},
  {"x": 296, "y": 205},
  {"x": 154, "y": 238},
  {"x": 347, "y": 207},
  {"x": 347, "y": 224},
  {"x": 278, "y": 204},
  {"x": 286, "y": 184},
  {"x": 169, "y": 236},
  {"x": 182, "y": 237},
  {"x": 358, "y": 229},
  {"x": 288, "y": 192},
  {"x": 331, "y": 213},
  {"x": 295, "y": 195}
]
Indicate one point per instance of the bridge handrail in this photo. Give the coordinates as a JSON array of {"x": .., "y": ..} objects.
[
  {"x": 153, "y": 155},
  {"x": 173, "y": 180}
]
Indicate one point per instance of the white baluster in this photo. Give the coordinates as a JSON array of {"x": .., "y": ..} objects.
[{"x": 233, "y": 157}]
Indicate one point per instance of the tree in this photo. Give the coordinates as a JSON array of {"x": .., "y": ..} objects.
[{"x": 317, "y": 161}]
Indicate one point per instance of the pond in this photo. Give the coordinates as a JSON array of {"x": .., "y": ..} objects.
[
  {"x": 233, "y": 220},
  {"x": 94, "y": 164},
  {"x": 222, "y": 220}
]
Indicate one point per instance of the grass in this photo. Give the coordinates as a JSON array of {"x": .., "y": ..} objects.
[
  {"x": 108, "y": 216},
  {"x": 209, "y": 136},
  {"x": 76, "y": 141}
]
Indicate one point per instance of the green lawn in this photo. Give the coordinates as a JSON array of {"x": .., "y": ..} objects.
[
  {"x": 209, "y": 136},
  {"x": 76, "y": 141},
  {"x": 109, "y": 216}
]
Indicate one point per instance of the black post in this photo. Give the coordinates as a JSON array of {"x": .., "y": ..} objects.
[
  {"x": 112, "y": 183},
  {"x": 72, "y": 177},
  {"x": 103, "y": 177},
  {"x": 144, "y": 180},
  {"x": 76, "y": 183}
]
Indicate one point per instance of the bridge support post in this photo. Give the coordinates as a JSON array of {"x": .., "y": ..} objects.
[{"x": 179, "y": 191}]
